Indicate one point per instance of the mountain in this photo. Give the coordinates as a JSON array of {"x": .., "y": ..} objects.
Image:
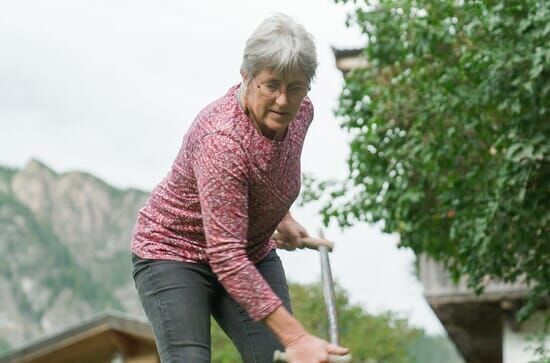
[{"x": 64, "y": 250}]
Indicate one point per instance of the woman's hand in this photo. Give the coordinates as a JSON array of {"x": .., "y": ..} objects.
[
  {"x": 291, "y": 233},
  {"x": 300, "y": 346},
  {"x": 311, "y": 349}
]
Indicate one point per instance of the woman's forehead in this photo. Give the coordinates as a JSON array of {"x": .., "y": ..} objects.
[{"x": 286, "y": 77}]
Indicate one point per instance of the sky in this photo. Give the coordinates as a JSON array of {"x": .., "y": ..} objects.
[{"x": 110, "y": 87}]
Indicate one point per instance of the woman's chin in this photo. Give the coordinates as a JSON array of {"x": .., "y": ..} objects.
[
  {"x": 278, "y": 122},
  {"x": 277, "y": 128}
]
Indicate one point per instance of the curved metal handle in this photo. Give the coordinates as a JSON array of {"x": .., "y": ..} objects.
[{"x": 280, "y": 357}]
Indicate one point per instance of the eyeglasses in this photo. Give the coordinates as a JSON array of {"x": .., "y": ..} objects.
[{"x": 274, "y": 89}]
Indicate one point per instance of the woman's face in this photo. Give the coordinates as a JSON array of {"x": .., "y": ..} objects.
[{"x": 275, "y": 100}]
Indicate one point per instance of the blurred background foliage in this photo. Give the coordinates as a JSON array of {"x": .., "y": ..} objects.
[{"x": 383, "y": 338}]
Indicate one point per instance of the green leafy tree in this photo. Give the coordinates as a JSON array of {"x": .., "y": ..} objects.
[{"x": 449, "y": 125}]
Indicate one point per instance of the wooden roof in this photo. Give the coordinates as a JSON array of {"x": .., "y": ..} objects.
[
  {"x": 348, "y": 59},
  {"x": 98, "y": 339}
]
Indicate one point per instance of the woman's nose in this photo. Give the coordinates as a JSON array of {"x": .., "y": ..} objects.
[{"x": 282, "y": 98}]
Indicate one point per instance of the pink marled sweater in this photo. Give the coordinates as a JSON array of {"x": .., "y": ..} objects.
[{"x": 225, "y": 194}]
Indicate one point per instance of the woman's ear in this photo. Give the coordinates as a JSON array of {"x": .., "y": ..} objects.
[
  {"x": 244, "y": 76},
  {"x": 245, "y": 79}
]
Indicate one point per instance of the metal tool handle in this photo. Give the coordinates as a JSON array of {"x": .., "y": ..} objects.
[
  {"x": 280, "y": 357},
  {"x": 309, "y": 242},
  {"x": 329, "y": 295}
]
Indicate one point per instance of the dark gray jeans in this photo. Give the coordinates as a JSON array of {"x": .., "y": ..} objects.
[{"x": 179, "y": 298}]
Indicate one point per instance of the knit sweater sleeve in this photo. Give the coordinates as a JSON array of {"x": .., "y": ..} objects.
[{"x": 221, "y": 171}]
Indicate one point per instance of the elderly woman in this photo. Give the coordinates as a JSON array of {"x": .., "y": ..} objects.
[{"x": 202, "y": 245}]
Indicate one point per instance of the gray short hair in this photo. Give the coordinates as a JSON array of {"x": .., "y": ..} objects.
[{"x": 280, "y": 44}]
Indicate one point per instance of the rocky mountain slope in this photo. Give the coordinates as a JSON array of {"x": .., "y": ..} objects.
[{"x": 64, "y": 250}]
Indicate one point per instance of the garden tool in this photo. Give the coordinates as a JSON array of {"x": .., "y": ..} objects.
[{"x": 323, "y": 246}]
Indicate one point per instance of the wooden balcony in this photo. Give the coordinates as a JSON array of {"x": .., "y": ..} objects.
[{"x": 439, "y": 289}]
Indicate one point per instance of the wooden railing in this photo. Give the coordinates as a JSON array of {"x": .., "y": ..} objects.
[{"x": 439, "y": 288}]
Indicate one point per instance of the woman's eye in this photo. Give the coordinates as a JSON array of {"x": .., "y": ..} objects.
[{"x": 272, "y": 86}]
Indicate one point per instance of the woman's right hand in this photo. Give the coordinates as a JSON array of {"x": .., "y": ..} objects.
[{"x": 311, "y": 349}]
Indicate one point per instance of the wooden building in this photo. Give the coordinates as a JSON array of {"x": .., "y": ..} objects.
[{"x": 106, "y": 338}]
